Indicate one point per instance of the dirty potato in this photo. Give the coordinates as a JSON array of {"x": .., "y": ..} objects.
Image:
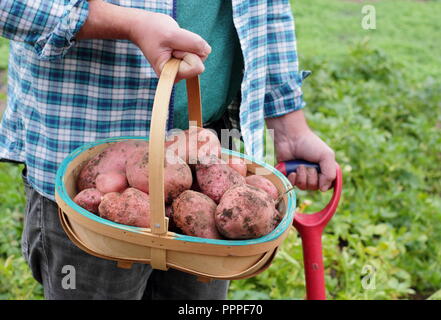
[
  {"x": 89, "y": 199},
  {"x": 111, "y": 159},
  {"x": 215, "y": 177},
  {"x": 193, "y": 144},
  {"x": 193, "y": 213},
  {"x": 245, "y": 212},
  {"x": 263, "y": 183},
  {"x": 177, "y": 174},
  {"x": 132, "y": 207}
]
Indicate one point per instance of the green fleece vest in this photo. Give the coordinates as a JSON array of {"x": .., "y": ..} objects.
[{"x": 221, "y": 80}]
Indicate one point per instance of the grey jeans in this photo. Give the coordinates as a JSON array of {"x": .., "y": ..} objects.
[{"x": 67, "y": 272}]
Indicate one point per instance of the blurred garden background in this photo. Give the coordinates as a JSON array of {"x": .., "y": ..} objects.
[{"x": 375, "y": 97}]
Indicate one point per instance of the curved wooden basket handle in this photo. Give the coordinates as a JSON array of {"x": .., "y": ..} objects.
[{"x": 158, "y": 220}]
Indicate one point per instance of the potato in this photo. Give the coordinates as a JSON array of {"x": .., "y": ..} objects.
[
  {"x": 238, "y": 164},
  {"x": 132, "y": 207},
  {"x": 264, "y": 184},
  {"x": 215, "y": 177},
  {"x": 89, "y": 199},
  {"x": 111, "y": 182},
  {"x": 177, "y": 174},
  {"x": 111, "y": 159},
  {"x": 193, "y": 144},
  {"x": 176, "y": 144},
  {"x": 137, "y": 170},
  {"x": 245, "y": 212},
  {"x": 193, "y": 213},
  {"x": 177, "y": 178}
]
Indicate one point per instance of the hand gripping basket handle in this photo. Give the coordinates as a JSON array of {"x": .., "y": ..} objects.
[{"x": 159, "y": 222}]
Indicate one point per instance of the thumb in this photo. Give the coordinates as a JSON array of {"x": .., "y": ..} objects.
[
  {"x": 328, "y": 168},
  {"x": 184, "y": 40}
]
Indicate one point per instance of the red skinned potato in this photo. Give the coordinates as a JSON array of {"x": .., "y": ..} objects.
[
  {"x": 177, "y": 178},
  {"x": 137, "y": 170},
  {"x": 193, "y": 144},
  {"x": 132, "y": 207},
  {"x": 245, "y": 212},
  {"x": 176, "y": 144},
  {"x": 238, "y": 164},
  {"x": 177, "y": 174},
  {"x": 111, "y": 159},
  {"x": 193, "y": 213},
  {"x": 215, "y": 177},
  {"x": 89, "y": 199},
  {"x": 111, "y": 182},
  {"x": 264, "y": 184}
]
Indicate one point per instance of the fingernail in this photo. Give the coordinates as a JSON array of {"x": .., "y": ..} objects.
[{"x": 207, "y": 49}]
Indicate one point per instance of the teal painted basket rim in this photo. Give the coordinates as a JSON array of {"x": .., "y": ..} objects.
[{"x": 279, "y": 230}]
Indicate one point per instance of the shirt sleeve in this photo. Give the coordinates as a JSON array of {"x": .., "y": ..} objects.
[
  {"x": 283, "y": 81},
  {"x": 49, "y": 26}
]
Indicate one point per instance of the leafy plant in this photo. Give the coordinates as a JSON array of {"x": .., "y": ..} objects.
[
  {"x": 384, "y": 127},
  {"x": 377, "y": 101},
  {"x": 16, "y": 281}
]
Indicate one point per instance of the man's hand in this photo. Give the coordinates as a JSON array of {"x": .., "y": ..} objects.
[
  {"x": 157, "y": 35},
  {"x": 294, "y": 140}
]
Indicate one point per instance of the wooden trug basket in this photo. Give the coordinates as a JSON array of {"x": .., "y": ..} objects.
[{"x": 162, "y": 249}]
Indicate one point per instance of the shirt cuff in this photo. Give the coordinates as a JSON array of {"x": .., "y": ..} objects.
[
  {"x": 57, "y": 43},
  {"x": 286, "y": 98}
]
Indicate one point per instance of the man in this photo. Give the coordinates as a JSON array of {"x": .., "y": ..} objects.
[{"x": 85, "y": 70}]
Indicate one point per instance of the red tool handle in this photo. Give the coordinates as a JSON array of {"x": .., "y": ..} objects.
[{"x": 310, "y": 228}]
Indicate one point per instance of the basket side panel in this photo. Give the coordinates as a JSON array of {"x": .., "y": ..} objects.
[{"x": 219, "y": 267}]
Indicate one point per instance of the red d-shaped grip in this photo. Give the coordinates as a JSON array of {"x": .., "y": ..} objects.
[{"x": 310, "y": 228}]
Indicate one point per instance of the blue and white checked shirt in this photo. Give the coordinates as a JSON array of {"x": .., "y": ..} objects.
[{"x": 64, "y": 93}]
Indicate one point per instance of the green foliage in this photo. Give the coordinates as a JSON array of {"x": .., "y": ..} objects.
[
  {"x": 405, "y": 31},
  {"x": 4, "y": 52},
  {"x": 16, "y": 280},
  {"x": 375, "y": 97},
  {"x": 385, "y": 129},
  {"x": 435, "y": 296}
]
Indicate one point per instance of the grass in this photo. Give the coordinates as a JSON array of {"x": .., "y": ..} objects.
[
  {"x": 16, "y": 280},
  {"x": 374, "y": 97},
  {"x": 3, "y": 54},
  {"x": 406, "y": 31}
]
